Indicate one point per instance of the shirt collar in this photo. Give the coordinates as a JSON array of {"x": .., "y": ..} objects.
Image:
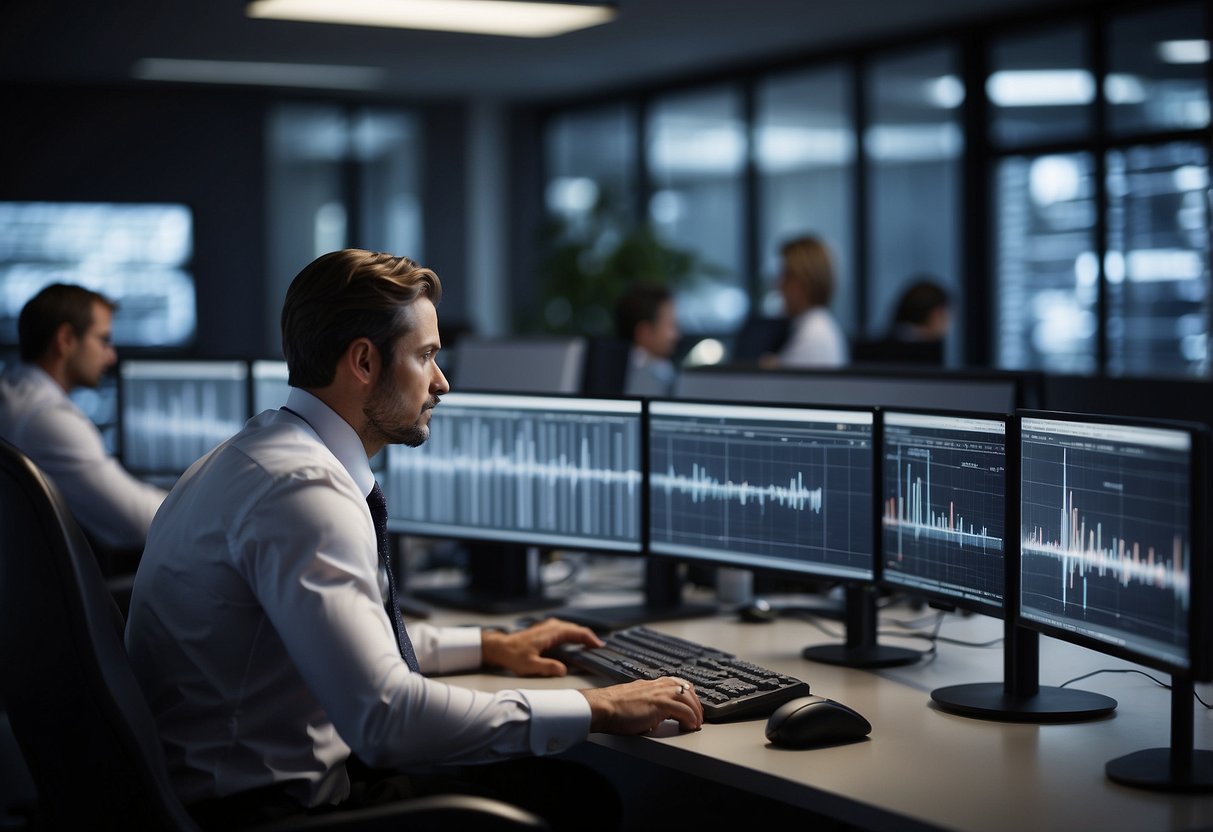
[
  {"x": 39, "y": 376},
  {"x": 336, "y": 434}
]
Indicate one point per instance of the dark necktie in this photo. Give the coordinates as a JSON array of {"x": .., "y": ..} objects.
[{"x": 378, "y": 505}]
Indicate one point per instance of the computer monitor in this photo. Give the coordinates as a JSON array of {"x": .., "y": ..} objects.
[
  {"x": 521, "y": 471},
  {"x": 138, "y": 254},
  {"x": 1113, "y": 558},
  {"x": 943, "y": 507},
  {"x": 778, "y": 488},
  {"x": 519, "y": 365},
  {"x": 991, "y": 391},
  {"x": 945, "y": 512},
  {"x": 269, "y": 387},
  {"x": 173, "y": 412}
]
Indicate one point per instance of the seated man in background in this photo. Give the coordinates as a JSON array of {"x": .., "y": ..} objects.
[
  {"x": 264, "y": 627},
  {"x": 65, "y": 343},
  {"x": 923, "y": 313},
  {"x": 646, "y": 319}
]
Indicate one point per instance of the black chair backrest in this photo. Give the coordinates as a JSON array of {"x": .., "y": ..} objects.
[{"x": 71, "y": 695}]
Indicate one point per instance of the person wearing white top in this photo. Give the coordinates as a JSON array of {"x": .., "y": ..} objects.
[
  {"x": 65, "y": 334},
  {"x": 258, "y": 628},
  {"x": 806, "y": 282}
]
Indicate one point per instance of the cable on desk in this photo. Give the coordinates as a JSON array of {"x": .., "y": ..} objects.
[
  {"x": 1156, "y": 681},
  {"x": 808, "y": 618},
  {"x": 934, "y": 637}
]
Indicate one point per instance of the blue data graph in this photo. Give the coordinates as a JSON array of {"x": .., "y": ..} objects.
[
  {"x": 174, "y": 412},
  {"x": 762, "y": 487},
  {"x": 530, "y": 469},
  {"x": 944, "y": 503},
  {"x": 1105, "y": 533}
]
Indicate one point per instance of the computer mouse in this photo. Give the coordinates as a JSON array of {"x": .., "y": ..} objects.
[
  {"x": 814, "y": 720},
  {"x": 758, "y": 612}
]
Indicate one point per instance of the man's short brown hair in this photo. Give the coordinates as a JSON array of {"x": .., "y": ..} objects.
[
  {"x": 345, "y": 295},
  {"x": 54, "y": 306}
]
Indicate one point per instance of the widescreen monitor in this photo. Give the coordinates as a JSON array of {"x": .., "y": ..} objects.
[
  {"x": 776, "y": 488},
  {"x": 138, "y": 254},
  {"x": 173, "y": 412},
  {"x": 1113, "y": 557},
  {"x": 520, "y": 365},
  {"x": 943, "y": 509},
  {"x": 1106, "y": 535},
  {"x": 270, "y": 388},
  {"x": 989, "y": 392},
  {"x": 517, "y": 471}
]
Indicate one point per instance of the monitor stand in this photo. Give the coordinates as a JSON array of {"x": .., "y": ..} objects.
[
  {"x": 503, "y": 579},
  {"x": 662, "y": 602},
  {"x": 1020, "y": 697},
  {"x": 861, "y": 649},
  {"x": 1180, "y": 768}
]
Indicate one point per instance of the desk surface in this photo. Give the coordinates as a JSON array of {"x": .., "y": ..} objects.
[{"x": 922, "y": 767}]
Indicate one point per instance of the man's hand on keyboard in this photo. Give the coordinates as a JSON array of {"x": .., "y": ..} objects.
[
  {"x": 521, "y": 652},
  {"x": 638, "y": 707}
]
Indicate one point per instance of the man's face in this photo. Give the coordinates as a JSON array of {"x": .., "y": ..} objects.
[
  {"x": 409, "y": 384},
  {"x": 660, "y": 337},
  {"x": 91, "y": 354}
]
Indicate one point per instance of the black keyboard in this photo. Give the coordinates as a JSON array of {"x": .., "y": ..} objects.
[{"x": 728, "y": 687}]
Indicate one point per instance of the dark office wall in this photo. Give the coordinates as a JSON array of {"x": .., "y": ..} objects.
[
  {"x": 206, "y": 149},
  {"x": 203, "y": 149}
]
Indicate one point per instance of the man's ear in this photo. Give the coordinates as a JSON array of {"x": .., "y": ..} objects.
[
  {"x": 361, "y": 358},
  {"x": 65, "y": 339}
]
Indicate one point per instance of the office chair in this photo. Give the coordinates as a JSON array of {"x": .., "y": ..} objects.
[{"x": 75, "y": 707}]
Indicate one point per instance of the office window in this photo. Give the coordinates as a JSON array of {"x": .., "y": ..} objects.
[
  {"x": 913, "y": 146},
  {"x": 1046, "y": 264},
  {"x": 1157, "y": 70},
  {"x": 339, "y": 178},
  {"x": 591, "y": 170},
  {"x": 696, "y": 152},
  {"x": 1040, "y": 87},
  {"x": 388, "y": 150},
  {"x": 590, "y": 197},
  {"x": 1157, "y": 264},
  {"x": 804, "y": 151}
]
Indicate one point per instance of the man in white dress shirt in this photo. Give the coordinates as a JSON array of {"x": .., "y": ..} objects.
[
  {"x": 65, "y": 333},
  {"x": 258, "y": 628}
]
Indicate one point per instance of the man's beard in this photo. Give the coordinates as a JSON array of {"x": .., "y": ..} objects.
[{"x": 382, "y": 414}]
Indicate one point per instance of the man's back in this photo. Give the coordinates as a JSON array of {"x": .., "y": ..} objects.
[
  {"x": 37, "y": 416},
  {"x": 220, "y": 680}
]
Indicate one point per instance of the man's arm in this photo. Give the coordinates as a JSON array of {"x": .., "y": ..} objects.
[{"x": 114, "y": 507}]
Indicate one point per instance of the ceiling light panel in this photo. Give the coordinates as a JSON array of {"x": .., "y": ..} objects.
[{"x": 486, "y": 17}]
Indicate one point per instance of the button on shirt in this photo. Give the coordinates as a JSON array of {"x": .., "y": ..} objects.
[
  {"x": 37, "y": 416},
  {"x": 259, "y": 635}
]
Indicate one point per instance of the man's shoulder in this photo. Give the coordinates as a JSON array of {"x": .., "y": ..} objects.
[{"x": 283, "y": 449}]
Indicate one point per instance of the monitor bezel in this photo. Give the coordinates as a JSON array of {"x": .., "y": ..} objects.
[
  {"x": 1199, "y": 665},
  {"x": 1010, "y": 515},
  {"x": 778, "y": 571},
  {"x": 414, "y": 528}
]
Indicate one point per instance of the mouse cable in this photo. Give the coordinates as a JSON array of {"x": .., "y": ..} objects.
[{"x": 1156, "y": 681}]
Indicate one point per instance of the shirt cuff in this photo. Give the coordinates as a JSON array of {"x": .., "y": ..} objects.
[
  {"x": 458, "y": 650},
  {"x": 559, "y": 719}
]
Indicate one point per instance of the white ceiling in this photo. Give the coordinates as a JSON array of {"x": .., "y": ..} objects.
[{"x": 651, "y": 41}]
